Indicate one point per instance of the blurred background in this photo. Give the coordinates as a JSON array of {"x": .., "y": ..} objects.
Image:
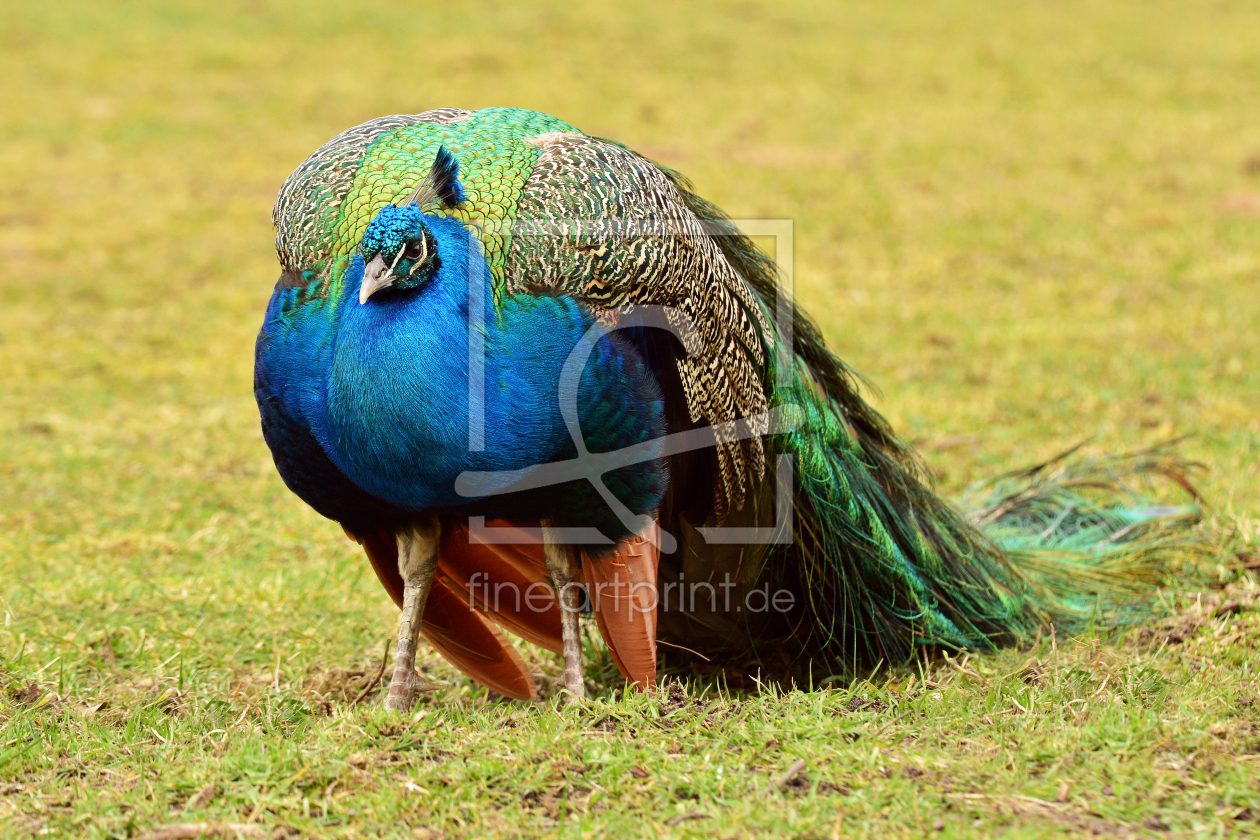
[{"x": 1028, "y": 223}]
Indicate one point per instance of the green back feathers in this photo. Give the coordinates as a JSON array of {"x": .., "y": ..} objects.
[{"x": 326, "y": 205}]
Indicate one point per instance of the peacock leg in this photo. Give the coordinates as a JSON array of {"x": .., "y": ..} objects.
[
  {"x": 417, "y": 563},
  {"x": 563, "y": 564}
]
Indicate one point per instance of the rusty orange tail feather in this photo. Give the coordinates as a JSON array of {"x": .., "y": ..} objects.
[
  {"x": 473, "y": 645},
  {"x": 623, "y": 594},
  {"x": 622, "y": 588},
  {"x": 505, "y": 583}
]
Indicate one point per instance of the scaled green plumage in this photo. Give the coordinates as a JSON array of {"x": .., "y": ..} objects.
[{"x": 348, "y": 180}]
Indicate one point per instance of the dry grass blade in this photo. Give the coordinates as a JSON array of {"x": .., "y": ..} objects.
[
  {"x": 787, "y": 776},
  {"x": 202, "y": 798},
  {"x": 190, "y": 831},
  {"x": 375, "y": 680}
]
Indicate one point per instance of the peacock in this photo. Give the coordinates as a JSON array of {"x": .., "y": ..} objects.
[{"x": 535, "y": 375}]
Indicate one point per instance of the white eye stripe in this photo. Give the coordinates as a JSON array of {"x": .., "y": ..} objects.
[
  {"x": 397, "y": 257},
  {"x": 422, "y": 259}
]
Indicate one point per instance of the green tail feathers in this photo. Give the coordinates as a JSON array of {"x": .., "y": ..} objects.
[
  {"x": 1085, "y": 533},
  {"x": 887, "y": 567}
]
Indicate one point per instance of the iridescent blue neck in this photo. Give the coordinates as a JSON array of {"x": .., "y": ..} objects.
[{"x": 397, "y": 418}]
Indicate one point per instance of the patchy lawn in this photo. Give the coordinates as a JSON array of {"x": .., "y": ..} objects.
[{"x": 1029, "y": 224}]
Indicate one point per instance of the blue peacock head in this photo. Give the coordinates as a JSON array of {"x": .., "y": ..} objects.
[{"x": 399, "y": 248}]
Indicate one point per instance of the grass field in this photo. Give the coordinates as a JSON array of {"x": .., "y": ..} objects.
[{"x": 1028, "y": 223}]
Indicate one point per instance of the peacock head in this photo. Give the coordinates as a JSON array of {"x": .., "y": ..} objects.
[{"x": 399, "y": 249}]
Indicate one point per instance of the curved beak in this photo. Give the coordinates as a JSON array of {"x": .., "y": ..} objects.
[{"x": 376, "y": 276}]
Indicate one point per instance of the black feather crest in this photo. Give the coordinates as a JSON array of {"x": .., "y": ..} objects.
[{"x": 441, "y": 184}]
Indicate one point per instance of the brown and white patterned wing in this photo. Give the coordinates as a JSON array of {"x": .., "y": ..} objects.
[
  {"x": 307, "y": 208},
  {"x": 629, "y": 238}
]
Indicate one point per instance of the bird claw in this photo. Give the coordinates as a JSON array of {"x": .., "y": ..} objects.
[{"x": 403, "y": 692}]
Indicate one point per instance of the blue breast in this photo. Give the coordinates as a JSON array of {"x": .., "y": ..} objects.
[{"x": 369, "y": 409}]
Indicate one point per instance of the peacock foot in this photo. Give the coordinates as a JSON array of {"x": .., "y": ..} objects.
[
  {"x": 574, "y": 675},
  {"x": 564, "y": 566},
  {"x": 404, "y": 690},
  {"x": 417, "y": 563}
]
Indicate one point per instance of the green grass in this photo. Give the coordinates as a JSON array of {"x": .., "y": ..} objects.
[{"x": 1028, "y": 223}]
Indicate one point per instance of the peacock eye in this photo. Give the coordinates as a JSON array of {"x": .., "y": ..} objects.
[{"x": 416, "y": 251}]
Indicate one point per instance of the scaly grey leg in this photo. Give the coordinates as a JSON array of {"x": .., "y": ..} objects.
[
  {"x": 417, "y": 562},
  {"x": 563, "y": 565}
]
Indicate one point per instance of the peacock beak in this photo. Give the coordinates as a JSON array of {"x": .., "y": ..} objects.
[{"x": 376, "y": 276}]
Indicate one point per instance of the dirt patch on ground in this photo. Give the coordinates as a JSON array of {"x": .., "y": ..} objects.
[{"x": 863, "y": 704}]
